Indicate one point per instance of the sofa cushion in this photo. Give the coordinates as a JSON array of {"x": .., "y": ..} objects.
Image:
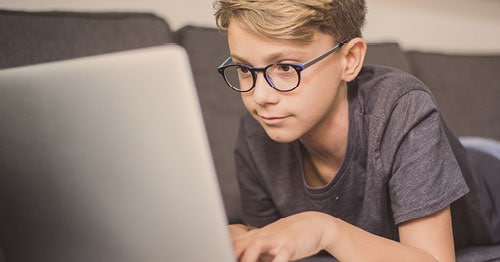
[
  {"x": 467, "y": 90},
  {"x": 479, "y": 253},
  {"x": 388, "y": 54},
  {"x": 221, "y": 106},
  {"x": 36, "y": 37}
]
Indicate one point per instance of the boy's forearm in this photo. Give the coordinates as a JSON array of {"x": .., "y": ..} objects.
[
  {"x": 307, "y": 233},
  {"x": 349, "y": 243}
]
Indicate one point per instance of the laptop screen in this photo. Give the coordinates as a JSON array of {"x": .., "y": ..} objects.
[{"x": 105, "y": 158}]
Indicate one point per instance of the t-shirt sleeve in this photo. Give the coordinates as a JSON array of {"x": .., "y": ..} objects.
[
  {"x": 425, "y": 175},
  {"x": 258, "y": 209}
]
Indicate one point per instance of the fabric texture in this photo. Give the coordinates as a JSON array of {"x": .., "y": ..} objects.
[
  {"x": 467, "y": 89},
  {"x": 486, "y": 168},
  {"x": 400, "y": 164},
  {"x": 36, "y": 37},
  {"x": 479, "y": 254}
]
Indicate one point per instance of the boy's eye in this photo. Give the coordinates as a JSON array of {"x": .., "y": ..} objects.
[
  {"x": 244, "y": 70},
  {"x": 284, "y": 67}
]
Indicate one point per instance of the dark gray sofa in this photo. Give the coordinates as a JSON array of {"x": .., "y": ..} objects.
[{"x": 466, "y": 87}]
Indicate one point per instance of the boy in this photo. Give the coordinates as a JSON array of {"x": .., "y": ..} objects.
[{"x": 334, "y": 156}]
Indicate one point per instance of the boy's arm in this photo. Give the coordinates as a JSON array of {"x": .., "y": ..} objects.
[
  {"x": 426, "y": 239},
  {"x": 305, "y": 234}
]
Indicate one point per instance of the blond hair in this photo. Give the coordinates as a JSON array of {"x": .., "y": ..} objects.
[{"x": 293, "y": 20}]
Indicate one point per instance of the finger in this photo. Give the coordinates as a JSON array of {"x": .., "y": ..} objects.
[
  {"x": 253, "y": 251},
  {"x": 240, "y": 243},
  {"x": 282, "y": 256},
  {"x": 238, "y": 248},
  {"x": 266, "y": 258}
]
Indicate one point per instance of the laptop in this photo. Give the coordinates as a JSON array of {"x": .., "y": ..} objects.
[{"x": 105, "y": 158}]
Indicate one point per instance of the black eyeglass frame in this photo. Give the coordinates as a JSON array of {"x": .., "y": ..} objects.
[{"x": 254, "y": 70}]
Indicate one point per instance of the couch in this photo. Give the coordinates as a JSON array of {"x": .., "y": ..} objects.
[{"x": 466, "y": 87}]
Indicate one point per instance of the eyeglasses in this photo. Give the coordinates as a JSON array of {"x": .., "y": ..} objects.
[{"x": 283, "y": 77}]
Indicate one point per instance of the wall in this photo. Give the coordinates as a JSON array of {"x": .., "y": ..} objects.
[
  {"x": 452, "y": 26},
  {"x": 440, "y": 25}
]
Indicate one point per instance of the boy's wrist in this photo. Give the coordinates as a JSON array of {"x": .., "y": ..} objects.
[
  {"x": 238, "y": 229},
  {"x": 331, "y": 234}
]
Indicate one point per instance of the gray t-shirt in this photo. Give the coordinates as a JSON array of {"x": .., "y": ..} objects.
[{"x": 399, "y": 163}]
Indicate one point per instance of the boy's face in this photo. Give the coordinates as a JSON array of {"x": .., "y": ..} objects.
[{"x": 308, "y": 110}]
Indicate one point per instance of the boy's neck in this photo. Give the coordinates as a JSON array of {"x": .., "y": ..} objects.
[{"x": 324, "y": 151}]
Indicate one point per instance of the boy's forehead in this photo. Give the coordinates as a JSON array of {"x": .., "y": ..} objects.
[
  {"x": 238, "y": 32},
  {"x": 285, "y": 36},
  {"x": 243, "y": 41},
  {"x": 245, "y": 46}
]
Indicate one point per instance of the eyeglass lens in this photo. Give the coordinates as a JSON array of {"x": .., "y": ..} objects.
[{"x": 280, "y": 76}]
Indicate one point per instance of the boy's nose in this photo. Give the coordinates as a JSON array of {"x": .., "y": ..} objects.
[{"x": 263, "y": 92}]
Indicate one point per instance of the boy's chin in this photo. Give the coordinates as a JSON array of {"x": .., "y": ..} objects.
[{"x": 281, "y": 136}]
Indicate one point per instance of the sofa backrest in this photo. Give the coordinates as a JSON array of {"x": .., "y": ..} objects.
[
  {"x": 466, "y": 88},
  {"x": 35, "y": 37},
  {"x": 221, "y": 107},
  {"x": 388, "y": 54}
]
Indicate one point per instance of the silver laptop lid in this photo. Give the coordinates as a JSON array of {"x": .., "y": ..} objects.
[{"x": 105, "y": 158}]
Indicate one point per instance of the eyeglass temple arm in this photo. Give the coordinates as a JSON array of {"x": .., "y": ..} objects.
[
  {"x": 327, "y": 53},
  {"x": 308, "y": 63},
  {"x": 225, "y": 63}
]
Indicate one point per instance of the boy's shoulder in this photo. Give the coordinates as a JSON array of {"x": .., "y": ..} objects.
[
  {"x": 377, "y": 89},
  {"x": 379, "y": 78}
]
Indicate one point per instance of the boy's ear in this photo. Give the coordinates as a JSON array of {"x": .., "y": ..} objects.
[{"x": 354, "y": 55}]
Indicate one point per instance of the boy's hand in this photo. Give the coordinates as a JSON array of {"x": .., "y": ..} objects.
[
  {"x": 290, "y": 238},
  {"x": 237, "y": 230}
]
